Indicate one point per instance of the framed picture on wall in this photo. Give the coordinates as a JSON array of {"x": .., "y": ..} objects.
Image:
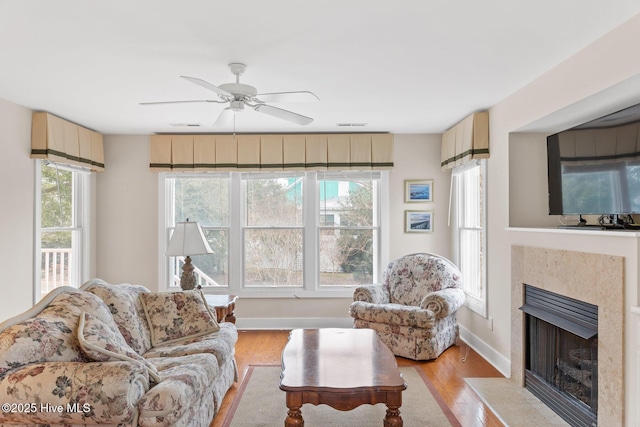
[
  {"x": 418, "y": 191},
  {"x": 418, "y": 221}
]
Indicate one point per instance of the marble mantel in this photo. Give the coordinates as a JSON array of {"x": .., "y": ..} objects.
[{"x": 594, "y": 278}]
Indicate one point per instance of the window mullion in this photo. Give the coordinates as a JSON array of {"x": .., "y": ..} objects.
[
  {"x": 236, "y": 233},
  {"x": 310, "y": 248}
]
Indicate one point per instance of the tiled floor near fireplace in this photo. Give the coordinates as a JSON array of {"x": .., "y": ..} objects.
[{"x": 514, "y": 405}]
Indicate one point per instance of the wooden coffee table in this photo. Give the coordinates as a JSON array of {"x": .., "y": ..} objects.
[{"x": 342, "y": 368}]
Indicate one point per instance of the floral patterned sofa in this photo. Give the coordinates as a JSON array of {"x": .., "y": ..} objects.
[
  {"x": 414, "y": 309},
  {"x": 115, "y": 355}
]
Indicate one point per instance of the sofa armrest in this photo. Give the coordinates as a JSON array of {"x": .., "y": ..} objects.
[
  {"x": 444, "y": 302},
  {"x": 74, "y": 393},
  {"x": 375, "y": 293},
  {"x": 392, "y": 314}
]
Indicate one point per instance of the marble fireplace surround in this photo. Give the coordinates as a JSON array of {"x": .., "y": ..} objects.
[{"x": 593, "y": 278}]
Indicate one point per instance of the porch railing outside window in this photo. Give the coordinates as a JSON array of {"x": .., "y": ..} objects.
[{"x": 57, "y": 267}]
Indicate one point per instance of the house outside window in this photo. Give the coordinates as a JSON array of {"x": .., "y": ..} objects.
[
  {"x": 279, "y": 232},
  {"x": 469, "y": 231},
  {"x": 62, "y": 241}
]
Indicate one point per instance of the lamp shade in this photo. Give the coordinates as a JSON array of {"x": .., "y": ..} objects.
[{"x": 188, "y": 239}]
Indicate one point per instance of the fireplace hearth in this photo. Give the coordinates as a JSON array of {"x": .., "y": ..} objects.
[{"x": 561, "y": 365}]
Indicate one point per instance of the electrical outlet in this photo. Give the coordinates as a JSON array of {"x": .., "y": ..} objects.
[{"x": 491, "y": 323}]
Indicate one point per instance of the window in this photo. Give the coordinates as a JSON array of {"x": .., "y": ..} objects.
[
  {"x": 62, "y": 238},
  {"x": 279, "y": 232},
  {"x": 469, "y": 222},
  {"x": 349, "y": 228}
]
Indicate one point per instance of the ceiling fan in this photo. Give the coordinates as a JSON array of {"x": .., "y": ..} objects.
[{"x": 239, "y": 94}]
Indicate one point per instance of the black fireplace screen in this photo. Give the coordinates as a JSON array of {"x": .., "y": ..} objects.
[
  {"x": 564, "y": 361},
  {"x": 561, "y": 366}
]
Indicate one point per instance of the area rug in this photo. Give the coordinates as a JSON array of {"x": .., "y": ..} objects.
[
  {"x": 260, "y": 403},
  {"x": 515, "y": 406}
]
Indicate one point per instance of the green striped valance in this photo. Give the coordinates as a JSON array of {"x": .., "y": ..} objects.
[
  {"x": 466, "y": 141},
  {"x": 60, "y": 141},
  {"x": 202, "y": 153}
]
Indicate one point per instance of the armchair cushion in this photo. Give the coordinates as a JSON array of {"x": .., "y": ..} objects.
[
  {"x": 376, "y": 294},
  {"x": 103, "y": 343},
  {"x": 174, "y": 316},
  {"x": 414, "y": 309},
  {"x": 393, "y": 314},
  {"x": 412, "y": 277},
  {"x": 444, "y": 303}
]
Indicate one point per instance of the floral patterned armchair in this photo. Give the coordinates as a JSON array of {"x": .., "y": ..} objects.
[{"x": 414, "y": 309}]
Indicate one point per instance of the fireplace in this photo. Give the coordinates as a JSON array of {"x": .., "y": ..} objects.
[
  {"x": 561, "y": 354},
  {"x": 597, "y": 279}
]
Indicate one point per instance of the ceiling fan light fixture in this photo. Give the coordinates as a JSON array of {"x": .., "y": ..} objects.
[
  {"x": 238, "y": 94},
  {"x": 237, "y": 105}
]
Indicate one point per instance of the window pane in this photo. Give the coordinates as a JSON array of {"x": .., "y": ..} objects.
[
  {"x": 471, "y": 261},
  {"x": 274, "y": 201},
  {"x": 205, "y": 200},
  {"x": 56, "y": 197},
  {"x": 273, "y": 257},
  {"x": 470, "y": 197},
  {"x": 346, "y": 257},
  {"x": 212, "y": 269},
  {"x": 57, "y": 261},
  {"x": 346, "y": 203}
]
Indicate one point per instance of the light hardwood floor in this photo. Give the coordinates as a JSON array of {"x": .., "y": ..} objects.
[{"x": 447, "y": 374}]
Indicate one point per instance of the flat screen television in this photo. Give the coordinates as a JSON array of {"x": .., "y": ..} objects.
[{"x": 594, "y": 168}]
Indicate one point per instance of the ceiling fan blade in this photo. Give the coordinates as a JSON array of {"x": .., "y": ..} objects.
[
  {"x": 180, "y": 102},
  {"x": 300, "y": 96},
  {"x": 224, "y": 117},
  {"x": 283, "y": 114},
  {"x": 208, "y": 85}
]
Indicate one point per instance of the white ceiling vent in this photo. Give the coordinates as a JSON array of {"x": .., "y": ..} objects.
[
  {"x": 185, "y": 125},
  {"x": 351, "y": 124}
]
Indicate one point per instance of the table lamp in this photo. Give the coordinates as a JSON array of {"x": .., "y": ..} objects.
[{"x": 187, "y": 239}]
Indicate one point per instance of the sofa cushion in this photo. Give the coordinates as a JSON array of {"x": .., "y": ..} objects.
[
  {"x": 126, "y": 308},
  {"x": 49, "y": 336},
  {"x": 103, "y": 342},
  {"x": 174, "y": 316},
  {"x": 185, "y": 380},
  {"x": 221, "y": 344}
]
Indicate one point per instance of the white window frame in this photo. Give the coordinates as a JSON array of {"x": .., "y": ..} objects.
[
  {"x": 475, "y": 303},
  {"x": 81, "y": 236},
  {"x": 311, "y": 287}
]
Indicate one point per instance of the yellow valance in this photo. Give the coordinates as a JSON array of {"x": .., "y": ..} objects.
[
  {"x": 60, "y": 141},
  {"x": 201, "y": 153},
  {"x": 466, "y": 141}
]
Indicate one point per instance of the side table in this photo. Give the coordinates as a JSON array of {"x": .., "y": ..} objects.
[{"x": 224, "y": 306}]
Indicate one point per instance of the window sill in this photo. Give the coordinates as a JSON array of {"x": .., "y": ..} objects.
[{"x": 282, "y": 293}]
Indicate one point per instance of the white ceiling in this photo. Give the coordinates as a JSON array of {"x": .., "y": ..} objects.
[{"x": 412, "y": 66}]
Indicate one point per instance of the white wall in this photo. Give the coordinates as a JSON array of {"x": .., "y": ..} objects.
[
  {"x": 601, "y": 78},
  {"x": 418, "y": 157},
  {"x": 528, "y": 201},
  {"x": 127, "y": 214},
  {"x": 16, "y": 209}
]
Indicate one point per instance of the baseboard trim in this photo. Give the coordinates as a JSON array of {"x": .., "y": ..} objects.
[
  {"x": 498, "y": 361},
  {"x": 293, "y": 323}
]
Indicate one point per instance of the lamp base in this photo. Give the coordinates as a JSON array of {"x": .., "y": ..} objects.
[{"x": 187, "y": 279}]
